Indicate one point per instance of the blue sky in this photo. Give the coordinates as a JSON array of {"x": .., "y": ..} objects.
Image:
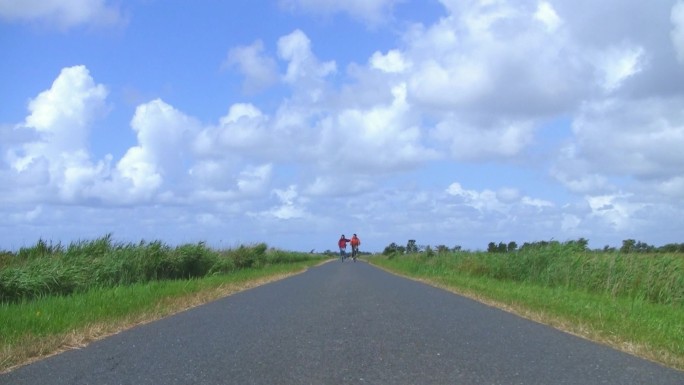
[{"x": 291, "y": 122}]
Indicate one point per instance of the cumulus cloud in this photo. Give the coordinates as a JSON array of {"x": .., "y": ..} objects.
[
  {"x": 245, "y": 127},
  {"x": 387, "y": 135},
  {"x": 467, "y": 141},
  {"x": 163, "y": 151},
  {"x": 63, "y": 113},
  {"x": 478, "y": 58},
  {"x": 56, "y": 156},
  {"x": 173, "y": 153},
  {"x": 484, "y": 200},
  {"x": 505, "y": 200},
  {"x": 622, "y": 138},
  {"x": 62, "y": 13},
  {"x": 217, "y": 184},
  {"x": 291, "y": 205},
  {"x": 391, "y": 62},
  {"x": 488, "y": 73},
  {"x": 260, "y": 70},
  {"x": 303, "y": 69},
  {"x": 479, "y": 85},
  {"x": 617, "y": 211},
  {"x": 253, "y": 180}
]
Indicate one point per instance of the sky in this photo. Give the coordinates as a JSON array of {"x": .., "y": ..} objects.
[{"x": 291, "y": 122}]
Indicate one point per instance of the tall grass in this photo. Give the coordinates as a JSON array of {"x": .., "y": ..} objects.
[
  {"x": 657, "y": 278},
  {"x": 48, "y": 269}
]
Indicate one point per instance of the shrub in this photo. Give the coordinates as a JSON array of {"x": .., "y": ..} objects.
[
  {"x": 224, "y": 264},
  {"x": 191, "y": 261}
]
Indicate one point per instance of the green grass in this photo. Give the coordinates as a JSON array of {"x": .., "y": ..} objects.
[
  {"x": 48, "y": 269},
  {"x": 633, "y": 303},
  {"x": 34, "y": 328}
]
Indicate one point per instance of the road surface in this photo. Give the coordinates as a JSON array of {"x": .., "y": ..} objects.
[{"x": 343, "y": 323}]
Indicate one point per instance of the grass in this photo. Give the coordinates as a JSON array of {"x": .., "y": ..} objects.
[
  {"x": 46, "y": 269},
  {"x": 33, "y": 329},
  {"x": 631, "y": 302}
]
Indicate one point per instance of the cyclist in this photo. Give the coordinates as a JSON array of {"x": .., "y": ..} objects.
[
  {"x": 355, "y": 242},
  {"x": 342, "y": 243}
]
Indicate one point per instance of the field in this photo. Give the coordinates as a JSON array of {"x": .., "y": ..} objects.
[
  {"x": 54, "y": 297},
  {"x": 632, "y": 301}
]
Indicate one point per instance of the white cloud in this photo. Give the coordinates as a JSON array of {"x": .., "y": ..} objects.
[
  {"x": 60, "y": 118},
  {"x": 261, "y": 71},
  {"x": 392, "y": 62},
  {"x": 212, "y": 174},
  {"x": 629, "y": 145},
  {"x": 468, "y": 141},
  {"x": 254, "y": 179},
  {"x": 372, "y": 12},
  {"x": 506, "y": 200},
  {"x": 62, "y": 13},
  {"x": 63, "y": 113},
  {"x": 615, "y": 210},
  {"x": 445, "y": 85},
  {"x": 291, "y": 205},
  {"x": 164, "y": 147},
  {"x": 579, "y": 182},
  {"x": 508, "y": 194},
  {"x": 639, "y": 138},
  {"x": 534, "y": 202},
  {"x": 348, "y": 147},
  {"x": 677, "y": 34},
  {"x": 345, "y": 184},
  {"x": 487, "y": 72},
  {"x": 177, "y": 159},
  {"x": 547, "y": 15},
  {"x": 485, "y": 200},
  {"x": 303, "y": 69},
  {"x": 379, "y": 139},
  {"x": 672, "y": 187},
  {"x": 141, "y": 174},
  {"x": 245, "y": 123},
  {"x": 244, "y": 129},
  {"x": 570, "y": 222},
  {"x": 617, "y": 64}
]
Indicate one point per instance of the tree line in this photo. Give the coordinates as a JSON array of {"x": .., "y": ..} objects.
[{"x": 581, "y": 244}]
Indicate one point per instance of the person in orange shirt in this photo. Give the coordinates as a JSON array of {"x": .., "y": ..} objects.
[{"x": 355, "y": 243}]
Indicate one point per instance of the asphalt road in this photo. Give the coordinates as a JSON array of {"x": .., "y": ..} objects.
[{"x": 343, "y": 323}]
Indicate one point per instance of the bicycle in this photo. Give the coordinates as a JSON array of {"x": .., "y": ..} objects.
[{"x": 355, "y": 252}]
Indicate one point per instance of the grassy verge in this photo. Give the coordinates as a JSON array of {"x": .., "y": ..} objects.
[
  {"x": 30, "y": 330},
  {"x": 635, "y": 325}
]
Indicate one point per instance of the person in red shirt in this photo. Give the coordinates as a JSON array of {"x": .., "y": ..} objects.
[{"x": 342, "y": 243}]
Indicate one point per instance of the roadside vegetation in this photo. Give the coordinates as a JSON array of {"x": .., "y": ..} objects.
[
  {"x": 54, "y": 297},
  {"x": 631, "y": 298}
]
